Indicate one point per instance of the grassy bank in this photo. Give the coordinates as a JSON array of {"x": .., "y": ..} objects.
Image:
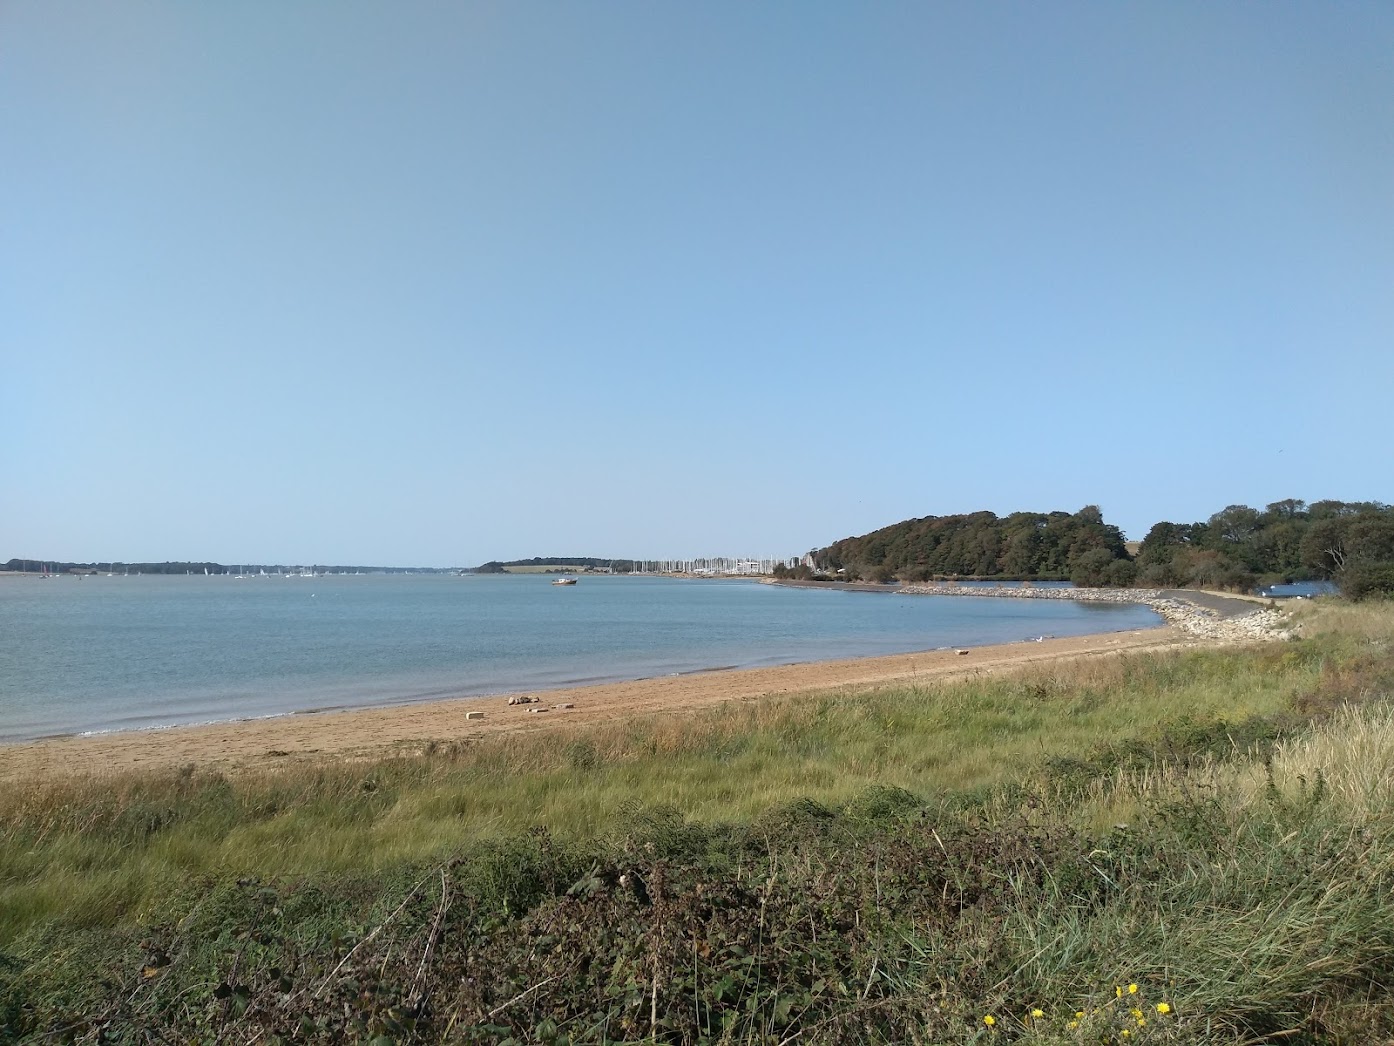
[{"x": 892, "y": 864}]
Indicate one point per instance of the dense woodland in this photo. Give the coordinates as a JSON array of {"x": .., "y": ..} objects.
[
  {"x": 1042, "y": 546},
  {"x": 1238, "y": 548},
  {"x": 1350, "y": 542}
]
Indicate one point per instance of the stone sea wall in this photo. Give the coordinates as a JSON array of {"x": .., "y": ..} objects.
[{"x": 1191, "y": 618}]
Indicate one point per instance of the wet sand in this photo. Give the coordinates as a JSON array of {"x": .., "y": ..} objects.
[{"x": 407, "y": 729}]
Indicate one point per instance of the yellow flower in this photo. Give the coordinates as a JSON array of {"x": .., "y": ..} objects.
[
  {"x": 1038, "y": 1013},
  {"x": 1118, "y": 991},
  {"x": 1135, "y": 1012},
  {"x": 1132, "y": 989},
  {"x": 1163, "y": 1008},
  {"x": 1126, "y": 1033},
  {"x": 1079, "y": 1015},
  {"x": 1072, "y": 1025},
  {"x": 989, "y": 1020},
  {"x": 1142, "y": 1022}
]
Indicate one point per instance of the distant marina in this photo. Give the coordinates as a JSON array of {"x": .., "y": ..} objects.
[{"x": 719, "y": 566}]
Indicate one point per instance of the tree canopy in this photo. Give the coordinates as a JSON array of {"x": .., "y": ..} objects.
[
  {"x": 1032, "y": 545},
  {"x": 1240, "y": 547}
]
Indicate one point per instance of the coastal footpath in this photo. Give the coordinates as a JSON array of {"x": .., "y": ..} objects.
[{"x": 1229, "y": 619}]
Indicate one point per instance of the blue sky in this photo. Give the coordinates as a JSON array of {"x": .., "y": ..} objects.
[{"x": 434, "y": 283}]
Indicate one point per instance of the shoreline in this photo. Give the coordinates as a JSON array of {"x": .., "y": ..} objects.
[
  {"x": 1209, "y": 615},
  {"x": 412, "y": 728},
  {"x": 253, "y": 745},
  {"x": 193, "y": 702},
  {"x": 400, "y": 698}
]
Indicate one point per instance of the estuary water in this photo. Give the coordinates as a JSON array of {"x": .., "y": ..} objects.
[{"x": 126, "y": 653}]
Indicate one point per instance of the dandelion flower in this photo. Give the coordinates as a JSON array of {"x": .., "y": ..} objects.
[
  {"x": 1132, "y": 989},
  {"x": 1038, "y": 1012},
  {"x": 1142, "y": 1022},
  {"x": 989, "y": 1020},
  {"x": 1126, "y": 1033},
  {"x": 1072, "y": 1025},
  {"x": 1135, "y": 1012},
  {"x": 1163, "y": 1007},
  {"x": 1118, "y": 991},
  {"x": 1079, "y": 1015}
]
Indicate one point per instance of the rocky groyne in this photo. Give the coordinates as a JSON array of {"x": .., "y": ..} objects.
[{"x": 1176, "y": 609}]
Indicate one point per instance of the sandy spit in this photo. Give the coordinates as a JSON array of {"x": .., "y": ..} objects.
[{"x": 407, "y": 729}]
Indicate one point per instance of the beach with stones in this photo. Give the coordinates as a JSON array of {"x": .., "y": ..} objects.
[{"x": 1205, "y": 615}]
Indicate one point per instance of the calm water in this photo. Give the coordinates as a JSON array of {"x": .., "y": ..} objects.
[
  {"x": 1302, "y": 589},
  {"x": 126, "y": 653}
]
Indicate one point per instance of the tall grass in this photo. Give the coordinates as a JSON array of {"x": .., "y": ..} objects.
[
  {"x": 1247, "y": 896},
  {"x": 109, "y": 851}
]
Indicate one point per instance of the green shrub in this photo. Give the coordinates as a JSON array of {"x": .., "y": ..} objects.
[{"x": 1367, "y": 581}]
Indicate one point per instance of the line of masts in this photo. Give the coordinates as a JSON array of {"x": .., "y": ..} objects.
[{"x": 724, "y": 566}]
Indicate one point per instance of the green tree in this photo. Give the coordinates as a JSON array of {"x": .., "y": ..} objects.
[
  {"x": 1367, "y": 580},
  {"x": 1091, "y": 569},
  {"x": 1120, "y": 573}
]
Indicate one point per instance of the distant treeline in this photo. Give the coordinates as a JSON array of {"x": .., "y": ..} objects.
[
  {"x": 619, "y": 566},
  {"x": 1034, "y": 545},
  {"x": 1239, "y": 548},
  {"x": 118, "y": 567}
]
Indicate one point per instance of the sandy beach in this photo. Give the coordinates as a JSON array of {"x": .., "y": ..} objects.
[{"x": 407, "y": 729}]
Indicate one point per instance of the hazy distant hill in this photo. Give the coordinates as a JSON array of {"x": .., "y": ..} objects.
[
  {"x": 494, "y": 566},
  {"x": 187, "y": 567}
]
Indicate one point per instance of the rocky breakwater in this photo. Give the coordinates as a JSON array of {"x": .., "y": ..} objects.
[
  {"x": 1256, "y": 624},
  {"x": 1234, "y": 624}
]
